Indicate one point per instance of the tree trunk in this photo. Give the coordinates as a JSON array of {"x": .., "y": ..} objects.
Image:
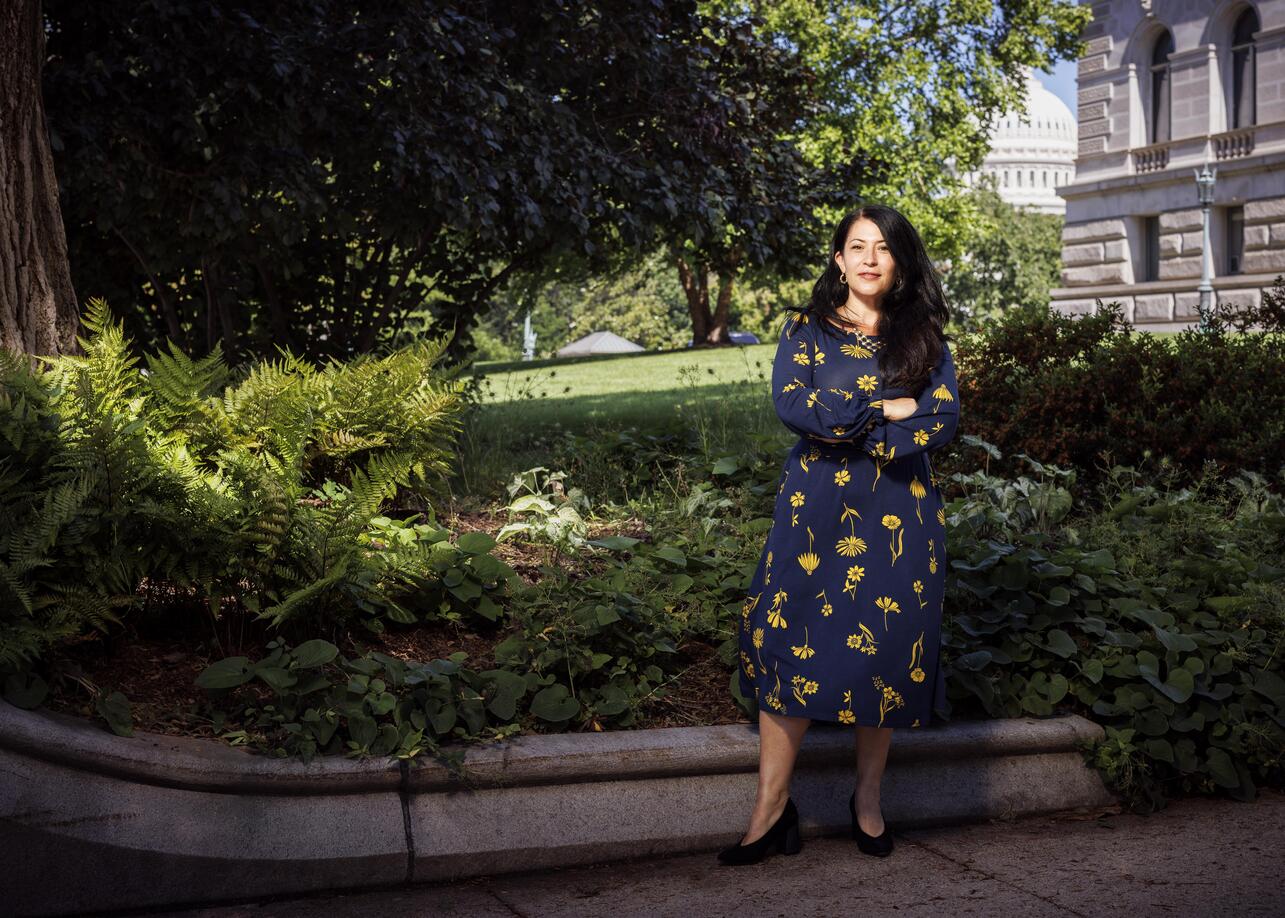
[
  {"x": 695, "y": 282},
  {"x": 708, "y": 327},
  {"x": 38, "y": 313},
  {"x": 717, "y": 333}
]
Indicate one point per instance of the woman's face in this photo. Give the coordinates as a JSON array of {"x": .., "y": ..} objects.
[{"x": 866, "y": 261}]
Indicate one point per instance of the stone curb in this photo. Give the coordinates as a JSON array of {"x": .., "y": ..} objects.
[{"x": 156, "y": 820}]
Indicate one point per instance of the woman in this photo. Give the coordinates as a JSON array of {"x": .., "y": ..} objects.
[{"x": 843, "y": 616}]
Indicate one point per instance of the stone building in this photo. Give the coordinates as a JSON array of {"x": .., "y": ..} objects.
[
  {"x": 1164, "y": 87},
  {"x": 1033, "y": 153}
]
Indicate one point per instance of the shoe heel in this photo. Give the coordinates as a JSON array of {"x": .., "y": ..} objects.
[{"x": 790, "y": 842}]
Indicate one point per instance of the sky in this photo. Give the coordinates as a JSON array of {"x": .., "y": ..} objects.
[{"x": 1061, "y": 82}]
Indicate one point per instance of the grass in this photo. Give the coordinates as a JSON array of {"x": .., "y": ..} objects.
[
  {"x": 722, "y": 394},
  {"x": 719, "y": 393},
  {"x": 639, "y": 375}
]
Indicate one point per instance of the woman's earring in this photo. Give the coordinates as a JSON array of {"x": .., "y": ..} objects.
[
  {"x": 843, "y": 278},
  {"x": 898, "y": 285}
]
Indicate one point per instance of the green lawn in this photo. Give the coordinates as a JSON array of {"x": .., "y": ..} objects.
[
  {"x": 644, "y": 389},
  {"x": 719, "y": 395},
  {"x": 622, "y": 373}
]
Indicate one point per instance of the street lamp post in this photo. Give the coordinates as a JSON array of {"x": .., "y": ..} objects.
[{"x": 1205, "y": 191}]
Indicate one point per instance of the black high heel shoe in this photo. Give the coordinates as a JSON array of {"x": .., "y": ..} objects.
[
  {"x": 784, "y": 836},
  {"x": 877, "y": 845}
]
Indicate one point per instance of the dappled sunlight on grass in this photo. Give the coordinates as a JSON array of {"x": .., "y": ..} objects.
[
  {"x": 621, "y": 375},
  {"x": 721, "y": 396}
]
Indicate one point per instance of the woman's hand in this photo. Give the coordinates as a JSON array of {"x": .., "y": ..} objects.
[
  {"x": 898, "y": 409},
  {"x": 894, "y": 409}
]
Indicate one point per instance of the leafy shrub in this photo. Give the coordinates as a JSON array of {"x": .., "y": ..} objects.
[
  {"x": 259, "y": 494},
  {"x": 543, "y": 509},
  {"x": 1090, "y": 391},
  {"x": 1159, "y": 617},
  {"x": 316, "y": 700}
]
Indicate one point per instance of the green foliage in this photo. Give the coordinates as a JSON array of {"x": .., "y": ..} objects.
[
  {"x": 641, "y": 300},
  {"x": 1090, "y": 391},
  {"x": 268, "y": 492},
  {"x": 543, "y": 509},
  {"x": 911, "y": 88},
  {"x": 313, "y": 699},
  {"x": 1156, "y": 610},
  {"x": 1010, "y": 256},
  {"x": 402, "y": 162},
  {"x": 1161, "y": 617}
]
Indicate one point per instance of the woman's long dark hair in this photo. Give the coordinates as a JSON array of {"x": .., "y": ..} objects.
[{"x": 912, "y": 316}]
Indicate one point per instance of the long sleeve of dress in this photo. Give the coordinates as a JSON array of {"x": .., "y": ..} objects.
[
  {"x": 817, "y": 412},
  {"x": 933, "y": 424}
]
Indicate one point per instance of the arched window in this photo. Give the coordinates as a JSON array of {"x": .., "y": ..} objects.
[
  {"x": 1018, "y": 175},
  {"x": 1242, "y": 69},
  {"x": 1160, "y": 86},
  {"x": 1032, "y": 178}
]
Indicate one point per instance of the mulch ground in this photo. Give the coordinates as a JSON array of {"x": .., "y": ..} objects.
[{"x": 155, "y": 664}]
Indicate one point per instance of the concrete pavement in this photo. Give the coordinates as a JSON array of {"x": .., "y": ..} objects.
[{"x": 1199, "y": 857}]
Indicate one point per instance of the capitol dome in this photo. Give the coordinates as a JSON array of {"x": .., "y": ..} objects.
[{"x": 1032, "y": 153}]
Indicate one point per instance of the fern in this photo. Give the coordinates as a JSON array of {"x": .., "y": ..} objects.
[{"x": 193, "y": 479}]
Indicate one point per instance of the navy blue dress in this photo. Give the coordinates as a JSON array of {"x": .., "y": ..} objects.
[{"x": 842, "y": 621}]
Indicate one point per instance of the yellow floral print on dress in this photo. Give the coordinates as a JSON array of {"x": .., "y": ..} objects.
[
  {"x": 893, "y": 523},
  {"x": 852, "y": 578},
  {"x": 845, "y": 715},
  {"x": 774, "y": 616},
  {"x": 801, "y": 687},
  {"x": 918, "y": 492},
  {"x": 889, "y": 698},
  {"x": 809, "y": 560},
  {"x": 803, "y": 651},
  {"x": 810, "y": 644},
  {"x": 887, "y": 604},
  {"x": 916, "y": 657},
  {"x": 850, "y": 545},
  {"x": 863, "y": 640},
  {"x": 882, "y": 455}
]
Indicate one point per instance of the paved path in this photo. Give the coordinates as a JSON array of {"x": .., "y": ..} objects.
[{"x": 1199, "y": 857}]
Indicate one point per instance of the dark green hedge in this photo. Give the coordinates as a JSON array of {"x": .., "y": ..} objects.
[{"x": 1091, "y": 392}]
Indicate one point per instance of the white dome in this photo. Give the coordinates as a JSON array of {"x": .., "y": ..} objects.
[
  {"x": 1047, "y": 121},
  {"x": 1033, "y": 152}
]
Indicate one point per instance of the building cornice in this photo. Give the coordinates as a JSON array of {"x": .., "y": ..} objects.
[
  {"x": 1173, "y": 285},
  {"x": 1173, "y": 176}
]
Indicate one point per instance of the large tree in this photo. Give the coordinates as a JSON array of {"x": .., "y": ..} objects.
[
  {"x": 1012, "y": 256},
  {"x": 310, "y": 173},
  {"x": 37, "y": 301},
  {"x": 906, "y": 94}
]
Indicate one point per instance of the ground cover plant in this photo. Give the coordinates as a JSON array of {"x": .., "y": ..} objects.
[
  {"x": 183, "y": 487},
  {"x": 595, "y": 590}
]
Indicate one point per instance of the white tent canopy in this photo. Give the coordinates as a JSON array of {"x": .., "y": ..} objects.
[{"x": 600, "y": 342}]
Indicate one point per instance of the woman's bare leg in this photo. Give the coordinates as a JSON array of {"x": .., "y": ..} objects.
[
  {"x": 872, "y": 756},
  {"x": 779, "y": 741}
]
